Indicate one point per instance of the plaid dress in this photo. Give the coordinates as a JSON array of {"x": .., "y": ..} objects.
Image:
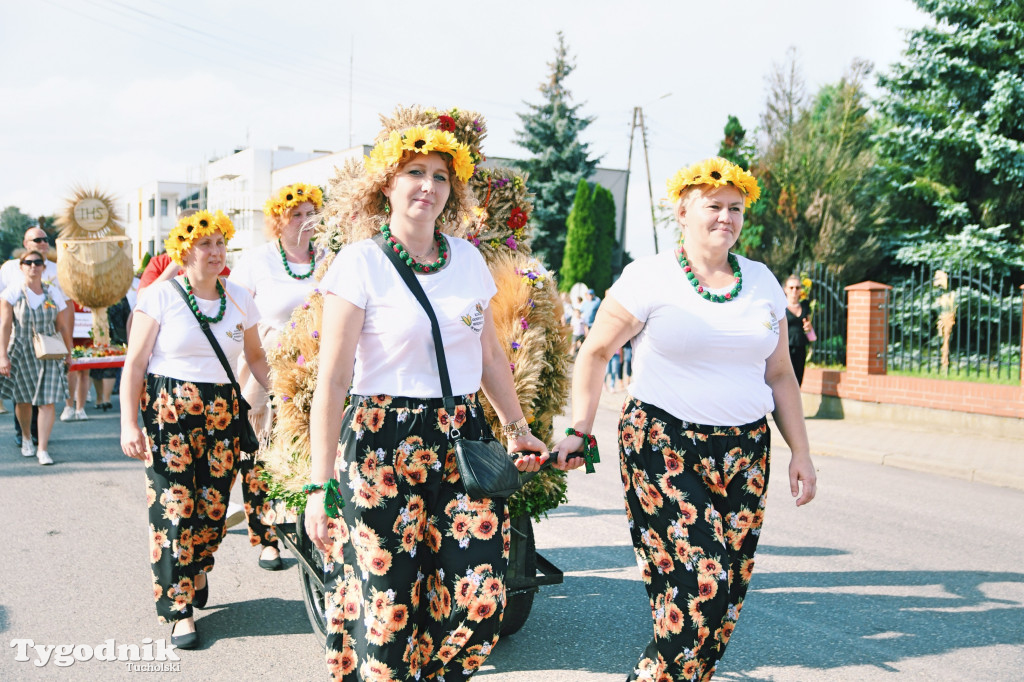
[{"x": 34, "y": 381}]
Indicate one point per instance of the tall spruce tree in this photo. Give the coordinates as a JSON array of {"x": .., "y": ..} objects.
[
  {"x": 551, "y": 133},
  {"x": 952, "y": 138}
]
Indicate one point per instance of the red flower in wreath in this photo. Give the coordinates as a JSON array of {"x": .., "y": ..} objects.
[
  {"x": 517, "y": 219},
  {"x": 446, "y": 122}
]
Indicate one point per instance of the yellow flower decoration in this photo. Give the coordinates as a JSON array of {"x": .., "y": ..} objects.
[
  {"x": 192, "y": 227},
  {"x": 290, "y": 196},
  {"x": 421, "y": 140},
  {"x": 715, "y": 172}
]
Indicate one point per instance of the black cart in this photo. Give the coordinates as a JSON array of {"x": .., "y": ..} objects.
[{"x": 527, "y": 571}]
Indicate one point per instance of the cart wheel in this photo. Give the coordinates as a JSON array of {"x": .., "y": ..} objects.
[
  {"x": 312, "y": 595},
  {"x": 520, "y": 581}
]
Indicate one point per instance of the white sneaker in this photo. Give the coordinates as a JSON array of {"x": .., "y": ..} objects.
[
  {"x": 27, "y": 449},
  {"x": 80, "y": 415},
  {"x": 235, "y": 515},
  {"x": 44, "y": 457},
  {"x": 68, "y": 415}
]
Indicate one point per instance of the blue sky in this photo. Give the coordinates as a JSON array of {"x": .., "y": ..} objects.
[{"x": 119, "y": 92}]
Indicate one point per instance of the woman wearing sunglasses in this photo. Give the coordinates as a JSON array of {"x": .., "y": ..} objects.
[{"x": 27, "y": 308}]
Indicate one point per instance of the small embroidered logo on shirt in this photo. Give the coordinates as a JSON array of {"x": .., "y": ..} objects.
[
  {"x": 475, "y": 319},
  {"x": 236, "y": 334},
  {"x": 772, "y": 323}
]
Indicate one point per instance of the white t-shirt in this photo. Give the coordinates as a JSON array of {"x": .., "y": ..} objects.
[
  {"x": 700, "y": 361},
  {"x": 395, "y": 355},
  {"x": 12, "y": 295},
  {"x": 277, "y": 294},
  {"x": 11, "y": 274},
  {"x": 181, "y": 350}
]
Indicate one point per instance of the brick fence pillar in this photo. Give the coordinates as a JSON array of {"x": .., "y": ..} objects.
[
  {"x": 1022, "y": 340},
  {"x": 866, "y": 327}
]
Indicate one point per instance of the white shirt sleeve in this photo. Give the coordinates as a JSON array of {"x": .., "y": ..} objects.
[{"x": 347, "y": 275}]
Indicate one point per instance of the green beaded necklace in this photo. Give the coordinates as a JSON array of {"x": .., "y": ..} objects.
[
  {"x": 701, "y": 289},
  {"x": 442, "y": 251},
  {"x": 195, "y": 306},
  {"x": 284, "y": 259}
]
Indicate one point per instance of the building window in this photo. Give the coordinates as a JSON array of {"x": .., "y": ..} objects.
[
  {"x": 152, "y": 207},
  {"x": 163, "y": 207}
]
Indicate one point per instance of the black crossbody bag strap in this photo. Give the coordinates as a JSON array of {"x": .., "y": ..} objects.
[
  {"x": 213, "y": 342},
  {"x": 409, "y": 277}
]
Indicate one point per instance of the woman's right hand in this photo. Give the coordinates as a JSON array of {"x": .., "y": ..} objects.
[
  {"x": 316, "y": 520},
  {"x": 133, "y": 441}
]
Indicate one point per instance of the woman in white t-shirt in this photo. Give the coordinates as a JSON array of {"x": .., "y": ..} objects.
[
  {"x": 710, "y": 360},
  {"x": 415, "y": 569},
  {"x": 25, "y": 309},
  {"x": 189, "y": 412},
  {"x": 279, "y": 275}
]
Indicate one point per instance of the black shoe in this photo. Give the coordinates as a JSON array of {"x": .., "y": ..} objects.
[
  {"x": 274, "y": 564},
  {"x": 35, "y": 440},
  {"x": 189, "y": 641},
  {"x": 17, "y": 438},
  {"x": 201, "y": 596}
]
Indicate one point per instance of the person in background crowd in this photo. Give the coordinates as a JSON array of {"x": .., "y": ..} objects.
[
  {"x": 589, "y": 308},
  {"x": 189, "y": 412},
  {"x": 279, "y": 275},
  {"x": 578, "y": 326},
  {"x": 712, "y": 359},
  {"x": 78, "y": 381},
  {"x": 12, "y": 274},
  {"x": 26, "y": 309},
  {"x": 799, "y": 323},
  {"x": 627, "y": 363}
]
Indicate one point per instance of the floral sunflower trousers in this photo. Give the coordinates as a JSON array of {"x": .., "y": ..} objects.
[
  {"x": 192, "y": 437},
  {"x": 415, "y": 573},
  {"x": 695, "y": 500}
]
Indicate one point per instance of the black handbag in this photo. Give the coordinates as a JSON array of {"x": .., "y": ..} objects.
[
  {"x": 247, "y": 440},
  {"x": 485, "y": 466}
]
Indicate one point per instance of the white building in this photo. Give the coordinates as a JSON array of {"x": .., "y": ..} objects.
[{"x": 151, "y": 212}]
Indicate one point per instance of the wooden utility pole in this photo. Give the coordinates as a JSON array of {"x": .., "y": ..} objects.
[{"x": 638, "y": 122}]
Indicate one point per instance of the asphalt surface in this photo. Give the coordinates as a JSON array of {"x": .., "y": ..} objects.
[{"x": 892, "y": 573}]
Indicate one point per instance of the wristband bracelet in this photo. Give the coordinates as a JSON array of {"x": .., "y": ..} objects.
[
  {"x": 332, "y": 496},
  {"x": 516, "y": 429},
  {"x": 590, "y": 453}
]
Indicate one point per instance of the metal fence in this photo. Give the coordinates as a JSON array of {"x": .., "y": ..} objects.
[
  {"x": 965, "y": 324},
  {"x": 827, "y": 298}
]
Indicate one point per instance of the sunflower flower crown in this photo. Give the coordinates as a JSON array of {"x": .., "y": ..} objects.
[
  {"x": 290, "y": 196},
  {"x": 192, "y": 227},
  {"x": 715, "y": 172},
  {"x": 421, "y": 140}
]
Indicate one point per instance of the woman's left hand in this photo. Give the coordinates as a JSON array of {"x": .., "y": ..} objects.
[
  {"x": 801, "y": 471},
  {"x": 529, "y": 443}
]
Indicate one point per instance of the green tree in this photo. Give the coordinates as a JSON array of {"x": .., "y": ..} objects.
[
  {"x": 734, "y": 146},
  {"x": 13, "y": 224},
  {"x": 604, "y": 243},
  {"x": 551, "y": 133},
  {"x": 578, "y": 261},
  {"x": 816, "y": 169},
  {"x": 952, "y": 140}
]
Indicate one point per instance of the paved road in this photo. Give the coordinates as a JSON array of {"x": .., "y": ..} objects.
[{"x": 889, "y": 574}]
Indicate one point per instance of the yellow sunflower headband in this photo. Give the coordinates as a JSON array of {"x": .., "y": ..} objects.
[
  {"x": 716, "y": 172},
  {"x": 421, "y": 140},
  {"x": 192, "y": 227},
  {"x": 291, "y": 196}
]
